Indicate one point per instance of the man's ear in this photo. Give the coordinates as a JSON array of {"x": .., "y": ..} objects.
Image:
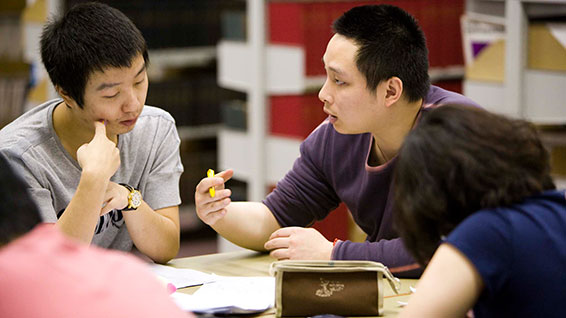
[
  {"x": 66, "y": 97},
  {"x": 393, "y": 90}
]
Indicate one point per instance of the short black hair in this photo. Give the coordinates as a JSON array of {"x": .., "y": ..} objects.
[
  {"x": 458, "y": 160},
  {"x": 391, "y": 43},
  {"x": 89, "y": 37},
  {"x": 18, "y": 212}
]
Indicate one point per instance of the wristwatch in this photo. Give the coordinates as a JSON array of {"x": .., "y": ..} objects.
[{"x": 134, "y": 198}]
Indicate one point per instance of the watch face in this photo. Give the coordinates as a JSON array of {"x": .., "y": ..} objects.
[{"x": 136, "y": 199}]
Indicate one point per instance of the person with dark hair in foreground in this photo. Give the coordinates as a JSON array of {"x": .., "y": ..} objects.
[
  {"x": 475, "y": 203},
  {"x": 100, "y": 165},
  {"x": 46, "y": 274},
  {"x": 376, "y": 86}
]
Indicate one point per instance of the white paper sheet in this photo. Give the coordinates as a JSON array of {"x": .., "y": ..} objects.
[
  {"x": 182, "y": 277},
  {"x": 243, "y": 293}
]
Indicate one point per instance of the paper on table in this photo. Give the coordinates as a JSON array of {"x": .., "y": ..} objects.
[
  {"x": 241, "y": 293},
  {"x": 182, "y": 277}
]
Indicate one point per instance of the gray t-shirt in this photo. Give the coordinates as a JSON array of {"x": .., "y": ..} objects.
[{"x": 149, "y": 156}]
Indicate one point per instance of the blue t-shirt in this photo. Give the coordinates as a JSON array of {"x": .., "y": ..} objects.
[{"x": 520, "y": 252}]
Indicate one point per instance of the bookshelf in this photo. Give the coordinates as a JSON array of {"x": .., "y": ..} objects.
[{"x": 527, "y": 92}]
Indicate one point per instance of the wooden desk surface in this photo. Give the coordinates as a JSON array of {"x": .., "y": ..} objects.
[{"x": 249, "y": 263}]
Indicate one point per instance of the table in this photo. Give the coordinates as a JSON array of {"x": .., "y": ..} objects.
[{"x": 250, "y": 263}]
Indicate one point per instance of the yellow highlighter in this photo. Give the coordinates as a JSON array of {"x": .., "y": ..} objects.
[{"x": 210, "y": 174}]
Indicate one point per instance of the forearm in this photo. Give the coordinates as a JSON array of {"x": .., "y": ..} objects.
[
  {"x": 449, "y": 287},
  {"x": 81, "y": 215},
  {"x": 247, "y": 224},
  {"x": 155, "y": 233},
  {"x": 391, "y": 253}
]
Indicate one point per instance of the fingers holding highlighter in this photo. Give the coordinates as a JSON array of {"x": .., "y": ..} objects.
[
  {"x": 210, "y": 174},
  {"x": 211, "y": 198}
]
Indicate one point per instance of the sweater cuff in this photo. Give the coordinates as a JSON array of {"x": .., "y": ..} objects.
[{"x": 335, "y": 246}]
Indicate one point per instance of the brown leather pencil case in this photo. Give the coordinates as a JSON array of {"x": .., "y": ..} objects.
[{"x": 346, "y": 288}]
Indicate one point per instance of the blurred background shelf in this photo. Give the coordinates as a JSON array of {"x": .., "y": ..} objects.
[
  {"x": 163, "y": 60},
  {"x": 522, "y": 72},
  {"x": 519, "y": 66},
  {"x": 204, "y": 70}
]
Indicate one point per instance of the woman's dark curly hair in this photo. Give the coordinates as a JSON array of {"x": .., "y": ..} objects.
[{"x": 459, "y": 160}]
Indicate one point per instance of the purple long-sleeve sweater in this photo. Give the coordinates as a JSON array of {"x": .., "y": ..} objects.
[{"x": 332, "y": 168}]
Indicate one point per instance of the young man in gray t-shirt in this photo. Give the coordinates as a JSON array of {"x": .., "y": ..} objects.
[{"x": 100, "y": 165}]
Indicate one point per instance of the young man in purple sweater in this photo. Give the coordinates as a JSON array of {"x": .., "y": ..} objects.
[{"x": 377, "y": 84}]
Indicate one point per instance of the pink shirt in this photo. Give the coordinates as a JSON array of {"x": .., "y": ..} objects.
[{"x": 44, "y": 274}]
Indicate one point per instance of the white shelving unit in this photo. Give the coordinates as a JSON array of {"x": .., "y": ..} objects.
[
  {"x": 531, "y": 94},
  {"x": 163, "y": 59},
  {"x": 254, "y": 140},
  {"x": 260, "y": 69},
  {"x": 535, "y": 95},
  {"x": 280, "y": 153}
]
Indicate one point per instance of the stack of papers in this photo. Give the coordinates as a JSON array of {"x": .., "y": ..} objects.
[
  {"x": 219, "y": 294},
  {"x": 182, "y": 277},
  {"x": 235, "y": 295}
]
